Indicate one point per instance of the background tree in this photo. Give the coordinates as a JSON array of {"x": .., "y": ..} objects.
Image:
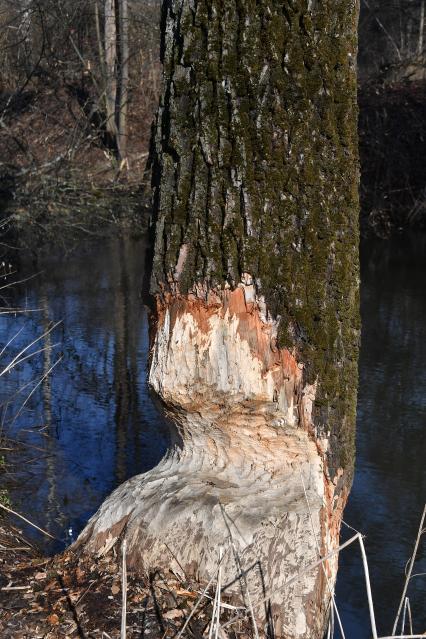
[
  {"x": 102, "y": 55},
  {"x": 255, "y": 282},
  {"x": 116, "y": 70},
  {"x": 59, "y": 147}
]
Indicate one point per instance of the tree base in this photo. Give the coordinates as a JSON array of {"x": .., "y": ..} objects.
[{"x": 245, "y": 475}]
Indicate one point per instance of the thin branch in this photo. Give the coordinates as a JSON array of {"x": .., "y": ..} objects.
[
  {"x": 123, "y": 591},
  {"x": 383, "y": 28},
  {"x": 17, "y": 357},
  {"x": 9, "y": 510},
  {"x": 35, "y": 388}
]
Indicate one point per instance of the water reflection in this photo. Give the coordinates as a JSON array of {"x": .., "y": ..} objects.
[
  {"x": 389, "y": 490},
  {"x": 91, "y": 423}
]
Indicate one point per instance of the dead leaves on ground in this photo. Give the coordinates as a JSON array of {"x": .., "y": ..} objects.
[{"x": 69, "y": 596}]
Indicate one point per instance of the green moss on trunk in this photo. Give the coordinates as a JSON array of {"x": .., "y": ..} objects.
[{"x": 255, "y": 169}]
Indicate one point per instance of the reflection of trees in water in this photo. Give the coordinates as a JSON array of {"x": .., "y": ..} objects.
[
  {"x": 393, "y": 356},
  {"x": 52, "y": 507},
  {"x": 126, "y": 319},
  {"x": 390, "y": 483},
  {"x": 92, "y": 418}
]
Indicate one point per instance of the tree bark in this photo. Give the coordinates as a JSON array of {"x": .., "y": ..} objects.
[
  {"x": 111, "y": 67},
  {"x": 123, "y": 77},
  {"x": 255, "y": 282}
]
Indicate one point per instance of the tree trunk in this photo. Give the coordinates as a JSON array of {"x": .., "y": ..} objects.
[
  {"x": 421, "y": 30},
  {"x": 111, "y": 67},
  {"x": 255, "y": 282},
  {"x": 123, "y": 77}
]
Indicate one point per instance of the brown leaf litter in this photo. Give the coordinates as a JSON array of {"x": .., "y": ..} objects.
[{"x": 69, "y": 596}]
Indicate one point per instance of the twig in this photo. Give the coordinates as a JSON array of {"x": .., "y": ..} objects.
[
  {"x": 84, "y": 593},
  {"x": 383, "y": 28},
  {"x": 35, "y": 388},
  {"x": 17, "y": 359},
  {"x": 9, "y": 510},
  {"x": 407, "y": 608},
  {"x": 219, "y": 579},
  {"x": 331, "y": 626},
  {"x": 25, "y": 279},
  {"x": 368, "y": 586},
  {"x": 199, "y": 600},
  {"x": 213, "y": 615},
  {"x": 315, "y": 564},
  {"x": 11, "y": 340}
]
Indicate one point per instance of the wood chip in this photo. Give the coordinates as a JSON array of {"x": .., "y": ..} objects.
[
  {"x": 40, "y": 575},
  {"x": 176, "y": 613},
  {"x": 186, "y": 593},
  {"x": 53, "y": 619}
]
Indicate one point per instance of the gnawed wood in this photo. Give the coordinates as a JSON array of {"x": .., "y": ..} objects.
[{"x": 245, "y": 471}]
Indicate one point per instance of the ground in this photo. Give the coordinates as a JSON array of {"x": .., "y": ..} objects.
[{"x": 72, "y": 596}]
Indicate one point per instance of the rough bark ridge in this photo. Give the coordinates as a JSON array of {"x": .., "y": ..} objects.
[
  {"x": 256, "y": 170},
  {"x": 255, "y": 282}
]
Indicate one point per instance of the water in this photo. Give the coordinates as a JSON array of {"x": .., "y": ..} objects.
[
  {"x": 389, "y": 489},
  {"x": 92, "y": 423}
]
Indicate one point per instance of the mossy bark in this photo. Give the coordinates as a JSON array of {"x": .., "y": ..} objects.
[{"x": 255, "y": 170}]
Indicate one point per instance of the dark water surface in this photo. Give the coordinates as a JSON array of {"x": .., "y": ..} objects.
[
  {"x": 91, "y": 423},
  {"x": 389, "y": 489}
]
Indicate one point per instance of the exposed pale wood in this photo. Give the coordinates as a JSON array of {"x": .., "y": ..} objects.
[{"x": 241, "y": 443}]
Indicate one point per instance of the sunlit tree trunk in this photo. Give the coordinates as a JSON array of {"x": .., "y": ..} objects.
[{"x": 254, "y": 279}]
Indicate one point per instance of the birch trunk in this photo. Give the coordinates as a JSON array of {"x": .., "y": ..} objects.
[{"x": 255, "y": 285}]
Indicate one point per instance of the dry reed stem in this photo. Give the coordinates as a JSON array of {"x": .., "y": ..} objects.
[
  {"x": 124, "y": 591},
  {"x": 9, "y": 510},
  {"x": 410, "y": 570},
  {"x": 199, "y": 600}
]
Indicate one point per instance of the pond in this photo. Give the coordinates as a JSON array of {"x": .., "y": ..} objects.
[
  {"x": 83, "y": 412},
  {"x": 389, "y": 490},
  {"x": 90, "y": 423}
]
